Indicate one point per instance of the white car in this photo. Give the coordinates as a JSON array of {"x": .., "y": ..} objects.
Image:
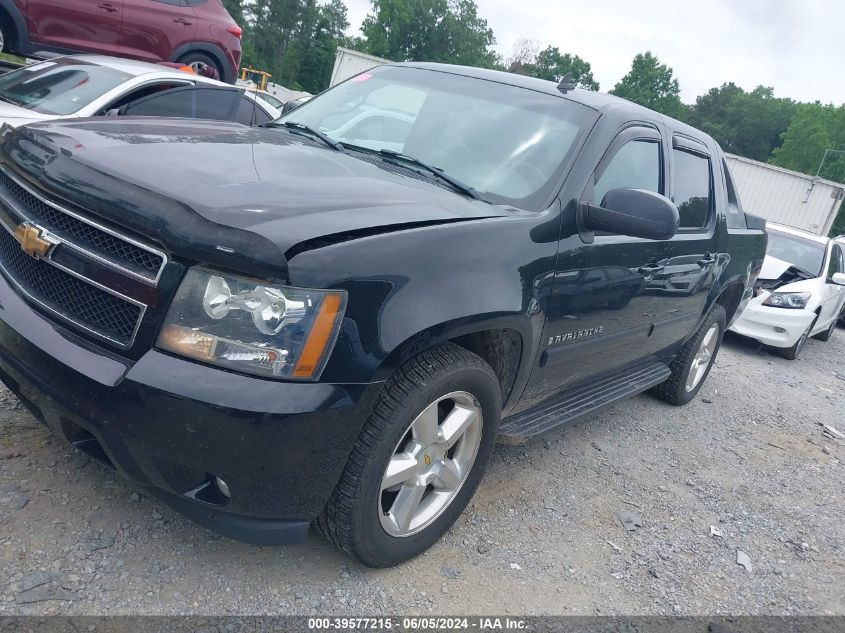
[
  {"x": 799, "y": 293},
  {"x": 96, "y": 85}
]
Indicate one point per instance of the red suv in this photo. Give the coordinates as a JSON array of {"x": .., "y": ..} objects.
[{"x": 193, "y": 32}]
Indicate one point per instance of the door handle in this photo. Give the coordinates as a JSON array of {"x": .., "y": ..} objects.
[
  {"x": 109, "y": 8},
  {"x": 182, "y": 21},
  {"x": 706, "y": 261}
]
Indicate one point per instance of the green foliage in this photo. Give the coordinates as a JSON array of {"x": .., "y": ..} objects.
[
  {"x": 814, "y": 128},
  {"x": 449, "y": 31},
  {"x": 652, "y": 85},
  {"x": 294, "y": 40},
  {"x": 551, "y": 65},
  {"x": 746, "y": 123},
  {"x": 235, "y": 9}
]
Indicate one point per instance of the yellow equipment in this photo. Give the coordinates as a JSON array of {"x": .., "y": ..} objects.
[{"x": 258, "y": 77}]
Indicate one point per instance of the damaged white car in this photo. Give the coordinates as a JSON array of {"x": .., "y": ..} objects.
[{"x": 799, "y": 293}]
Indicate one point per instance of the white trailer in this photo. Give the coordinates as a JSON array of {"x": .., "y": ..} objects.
[
  {"x": 348, "y": 63},
  {"x": 786, "y": 197}
]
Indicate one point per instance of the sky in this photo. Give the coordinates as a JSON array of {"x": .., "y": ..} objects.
[{"x": 793, "y": 45}]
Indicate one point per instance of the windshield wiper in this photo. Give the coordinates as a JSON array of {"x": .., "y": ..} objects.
[
  {"x": 307, "y": 129},
  {"x": 398, "y": 157}
]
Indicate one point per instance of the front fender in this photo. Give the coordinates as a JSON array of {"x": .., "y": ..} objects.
[{"x": 412, "y": 289}]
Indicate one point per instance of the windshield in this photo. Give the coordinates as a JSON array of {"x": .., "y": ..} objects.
[
  {"x": 808, "y": 255},
  {"x": 63, "y": 86},
  {"x": 508, "y": 143}
]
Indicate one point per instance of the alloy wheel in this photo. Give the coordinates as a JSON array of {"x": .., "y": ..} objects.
[
  {"x": 430, "y": 464},
  {"x": 703, "y": 357}
]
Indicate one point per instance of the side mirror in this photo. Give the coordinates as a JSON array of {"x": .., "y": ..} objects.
[
  {"x": 633, "y": 212},
  {"x": 838, "y": 279},
  {"x": 290, "y": 106}
]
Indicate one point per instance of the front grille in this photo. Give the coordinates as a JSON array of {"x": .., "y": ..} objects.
[
  {"x": 76, "y": 300},
  {"x": 90, "y": 237}
]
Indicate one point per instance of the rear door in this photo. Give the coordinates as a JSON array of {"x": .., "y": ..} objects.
[
  {"x": 76, "y": 25},
  {"x": 694, "y": 261},
  {"x": 153, "y": 29}
]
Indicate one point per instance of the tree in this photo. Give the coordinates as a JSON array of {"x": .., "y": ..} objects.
[
  {"x": 550, "y": 64},
  {"x": 523, "y": 55},
  {"x": 814, "y": 128},
  {"x": 448, "y": 31},
  {"x": 746, "y": 123},
  {"x": 317, "y": 52},
  {"x": 236, "y": 10},
  {"x": 652, "y": 85}
]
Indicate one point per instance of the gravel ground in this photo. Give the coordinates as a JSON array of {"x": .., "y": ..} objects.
[{"x": 747, "y": 460}]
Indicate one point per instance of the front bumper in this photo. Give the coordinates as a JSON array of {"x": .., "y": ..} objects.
[
  {"x": 777, "y": 327},
  {"x": 172, "y": 426}
]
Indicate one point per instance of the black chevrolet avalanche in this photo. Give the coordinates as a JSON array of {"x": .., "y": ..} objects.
[{"x": 332, "y": 318}]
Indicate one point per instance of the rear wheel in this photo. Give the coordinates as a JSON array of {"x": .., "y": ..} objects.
[
  {"x": 199, "y": 62},
  {"x": 418, "y": 459},
  {"x": 695, "y": 360},
  {"x": 5, "y": 34}
]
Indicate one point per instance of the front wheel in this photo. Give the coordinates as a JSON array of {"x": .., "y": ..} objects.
[
  {"x": 418, "y": 460},
  {"x": 825, "y": 336},
  {"x": 791, "y": 353},
  {"x": 695, "y": 360}
]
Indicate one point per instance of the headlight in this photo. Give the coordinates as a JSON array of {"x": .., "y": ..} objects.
[
  {"x": 796, "y": 300},
  {"x": 253, "y": 327}
]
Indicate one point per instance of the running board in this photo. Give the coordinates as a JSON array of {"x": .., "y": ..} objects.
[{"x": 574, "y": 403}]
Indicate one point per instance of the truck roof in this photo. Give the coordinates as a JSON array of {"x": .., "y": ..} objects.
[{"x": 599, "y": 101}]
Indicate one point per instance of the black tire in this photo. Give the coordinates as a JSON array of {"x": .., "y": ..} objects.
[
  {"x": 351, "y": 517},
  {"x": 6, "y": 34},
  {"x": 825, "y": 336},
  {"x": 198, "y": 59},
  {"x": 791, "y": 353},
  {"x": 674, "y": 389}
]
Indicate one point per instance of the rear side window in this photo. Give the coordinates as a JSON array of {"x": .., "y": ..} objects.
[
  {"x": 636, "y": 166},
  {"x": 837, "y": 261},
  {"x": 692, "y": 180},
  {"x": 734, "y": 215},
  {"x": 192, "y": 103}
]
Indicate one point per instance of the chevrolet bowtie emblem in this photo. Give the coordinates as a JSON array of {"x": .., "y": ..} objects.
[{"x": 31, "y": 241}]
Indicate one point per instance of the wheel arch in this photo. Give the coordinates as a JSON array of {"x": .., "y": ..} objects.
[
  {"x": 227, "y": 74},
  {"x": 730, "y": 298},
  {"x": 502, "y": 341}
]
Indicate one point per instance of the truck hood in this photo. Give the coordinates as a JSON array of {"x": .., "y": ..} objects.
[{"x": 168, "y": 179}]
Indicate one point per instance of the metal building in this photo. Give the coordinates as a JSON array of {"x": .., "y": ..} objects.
[
  {"x": 786, "y": 197},
  {"x": 348, "y": 63}
]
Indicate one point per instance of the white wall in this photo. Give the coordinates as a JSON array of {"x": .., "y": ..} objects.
[{"x": 784, "y": 196}]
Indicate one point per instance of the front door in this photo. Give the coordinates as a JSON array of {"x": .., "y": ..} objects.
[
  {"x": 153, "y": 29},
  {"x": 694, "y": 261},
  {"x": 76, "y": 25},
  {"x": 834, "y": 294},
  {"x": 602, "y": 307}
]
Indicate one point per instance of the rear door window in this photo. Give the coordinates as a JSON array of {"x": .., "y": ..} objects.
[
  {"x": 220, "y": 104},
  {"x": 692, "y": 177}
]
